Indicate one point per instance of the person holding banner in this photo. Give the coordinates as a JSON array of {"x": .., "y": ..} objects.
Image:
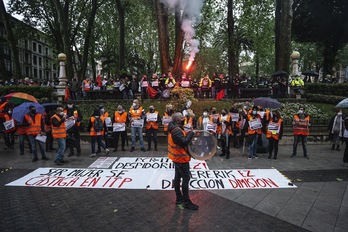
[
  {"x": 152, "y": 120},
  {"x": 236, "y": 123},
  {"x": 136, "y": 115},
  {"x": 74, "y": 115},
  {"x": 9, "y": 130},
  {"x": 178, "y": 140},
  {"x": 120, "y": 121},
  {"x": 170, "y": 81},
  {"x": 254, "y": 130},
  {"x": 274, "y": 134},
  {"x": 301, "y": 125},
  {"x": 224, "y": 131},
  {"x": 167, "y": 117},
  {"x": 35, "y": 129},
  {"x": 96, "y": 128},
  {"x": 59, "y": 134}
]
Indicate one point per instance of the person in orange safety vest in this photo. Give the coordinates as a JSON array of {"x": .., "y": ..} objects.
[
  {"x": 59, "y": 134},
  {"x": 178, "y": 140},
  {"x": 120, "y": 121},
  {"x": 96, "y": 128},
  {"x": 301, "y": 123},
  {"x": 274, "y": 134},
  {"x": 152, "y": 119}
]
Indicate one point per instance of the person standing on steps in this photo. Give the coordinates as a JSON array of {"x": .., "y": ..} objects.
[
  {"x": 274, "y": 134},
  {"x": 178, "y": 140}
]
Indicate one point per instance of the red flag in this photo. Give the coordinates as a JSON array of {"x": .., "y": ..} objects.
[
  {"x": 67, "y": 94},
  {"x": 220, "y": 95},
  {"x": 151, "y": 91},
  {"x": 99, "y": 81}
]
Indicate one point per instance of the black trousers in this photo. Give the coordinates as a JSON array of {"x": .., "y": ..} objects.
[
  {"x": 182, "y": 171},
  {"x": 151, "y": 134},
  {"x": 9, "y": 139},
  {"x": 273, "y": 143},
  {"x": 75, "y": 135},
  {"x": 49, "y": 141},
  {"x": 117, "y": 135},
  {"x": 345, "y": 156}
]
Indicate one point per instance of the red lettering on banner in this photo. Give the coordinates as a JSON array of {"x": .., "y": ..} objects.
[
  {"x": 90, "y": 182},
  {"x": 197, "y": 166},
  {"x": 252, "y": 183},
  {"x": 125, "y": 180},
  {"x": 247, "y": 173}
]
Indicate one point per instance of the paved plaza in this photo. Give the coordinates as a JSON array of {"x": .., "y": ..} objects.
[{"x": 319, "y": 203}]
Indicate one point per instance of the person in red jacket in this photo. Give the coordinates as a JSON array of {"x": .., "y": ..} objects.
[{"x": 178, "y": 140}]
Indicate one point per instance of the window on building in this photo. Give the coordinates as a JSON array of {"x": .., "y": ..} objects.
[
  {"x": 35, "y": 60},
  {"x": 34, "y": 47},
  {"x": 46, "y": 51},
  {"x": 40, "y": 74},
  {"x": 26, "y": 57},
  {"x": 47, "y": 75},
  {"x": 35, "y": 72},
  {"x": 40, "y": 48},
  {"x": 26, "y": 44},
  {"x": 27, "y": 71},
  {"x": 40, "y": 61}
]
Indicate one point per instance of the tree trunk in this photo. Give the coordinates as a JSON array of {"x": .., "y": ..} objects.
[
  {"x": 163, "y": 36},
  {"x": 179, "y": 39},
  {"x": 122, "y": 48},
  {"x": 283, "y": 21},
  {"x": 232, "y": 55},
  {"x": 17, "y": 74},
  {"x": 86, "y": 46}
]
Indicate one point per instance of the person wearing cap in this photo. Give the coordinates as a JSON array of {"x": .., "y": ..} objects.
[
  {"x": 120, "y": 121},
  {"x": 301, "y": 123},
  {"x": 152, "y": 119},
  {"x": 73, "y": 134}
]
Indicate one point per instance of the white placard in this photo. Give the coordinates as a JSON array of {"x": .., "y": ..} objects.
[
  {"x": 151, "y": 117},
  {"x": 122, "y": 87},
  {"x": 211, "y": 126},
  {"x": 41, "y": 138},
  {"x": 185, "y": 84},
  {"x": 9, "y": 124},
  {"x": 234, "y": 117},
  {"x": 96, "y": 87},
  {"x": 170, "y": 84},
  {"x": 255, "y": 124},
  {"x": 166, "y": 120},
  {"x": 144, "y": 84},
  {"x": 273, "y": 127},
  {"x": 108, "y": 122},
  {"x": 69, "y": 123},
  {"x": 138, "y": 123},
  {"x": 117, "y": 84},
  {"x": 187, "y": 127},
  {"x": 117, "y": 127},
  {"x": 155, "y": 83},
  {"x": 262, "y": 113}
]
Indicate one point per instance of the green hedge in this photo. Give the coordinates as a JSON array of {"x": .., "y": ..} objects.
[
  {"x": 327, "y": 89},
  {"x": 320, "y": 98},
  {"x": 41, "y": 93}
]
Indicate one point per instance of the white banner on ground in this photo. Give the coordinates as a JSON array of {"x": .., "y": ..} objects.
[
  {"x": 154, "y": 163},
  {"x": 103, "y": 162},
  {"x": 153, "y": 179}
]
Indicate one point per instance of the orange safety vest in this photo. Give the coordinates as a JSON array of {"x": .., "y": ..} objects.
[
  {"x": 60, "y": 131},
  {"x": 48, "y": 128},
  {"x": 151, "y": 124},
  {"x": 87, "y": 85},
  {"x": 200, "y": 121},
  {"x": 136, "y": 114},
  {"x": 251, "y": 132},
  {"x": 21, "y": 130},
  {"x": 175, "y": 152},
  {"x": 34, "y": 127},
  {"x": 275, "y": 136},
  {"x": 8, "y": 118},
  {"x": 2, "y": 108},
  {"x": 120, "y": 118},
  {"x": 93, "y": 132},
  {"x": 301, "y": 130},
  {"x": 190, "y": 121},
  {"x": 165, "y": 126},
  {"x": 219, "y": 128}
]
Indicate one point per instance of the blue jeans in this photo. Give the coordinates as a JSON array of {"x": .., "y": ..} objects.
[
  {"x": 252, "y": 146},
  {"x": 60, "y": 149},
  {"x": 33, "y": 146},
  {"x": 139, "y": 131},
  {"x": 99, "y": 140},
  {"x": 297, "y": 138}
]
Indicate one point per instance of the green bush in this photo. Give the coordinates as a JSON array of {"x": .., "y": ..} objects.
[
  {"x": 41, "y": 93},
  {"x": 320, "y": 98},
  {"x": 327, "y": 89}
]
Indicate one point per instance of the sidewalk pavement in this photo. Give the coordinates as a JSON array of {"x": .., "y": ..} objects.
[{"x": 319, "y": 203}]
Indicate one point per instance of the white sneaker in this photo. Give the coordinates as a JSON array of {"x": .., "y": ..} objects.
[
  {"x": 107, "y": 151},
  {"x": 93, "y": 155}
]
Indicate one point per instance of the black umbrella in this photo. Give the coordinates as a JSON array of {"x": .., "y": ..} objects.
[
  {"x": 266, "y": 102},
  {"x": 310, "y": 73},
  {"x": 51, "y": 106},
  {"x": 279, "y": 74}
]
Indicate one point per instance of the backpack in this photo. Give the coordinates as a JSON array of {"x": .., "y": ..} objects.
[{"x": 98, "y": 124}]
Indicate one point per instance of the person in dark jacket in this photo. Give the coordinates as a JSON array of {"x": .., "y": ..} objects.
[
  {"x": 73, "y": 133},
  {"x": 178, "y": 140}
]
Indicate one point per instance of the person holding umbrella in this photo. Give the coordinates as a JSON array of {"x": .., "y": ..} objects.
[
  {"x": 59, "y": 134},
  {"x": 35, "y": 124}
]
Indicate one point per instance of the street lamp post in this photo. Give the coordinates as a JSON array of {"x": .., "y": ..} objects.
[
  {"x": 294, "y": 57},
  {"x": 62, "y": 78}
]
